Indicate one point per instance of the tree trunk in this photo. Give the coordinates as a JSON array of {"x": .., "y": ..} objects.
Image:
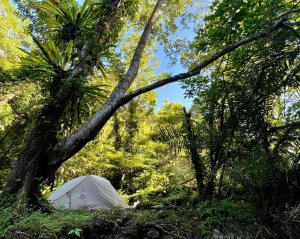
[
  {"x": 195, "y": 158},
  {"x": 43, "y": 155},
  {"x": 210, "y": 188},
  {"x": 40, "y": 157},
  {"x": 116, "y": 132},
  {"x": 132, "y": 127},
  {"x": 221, "y": 181},
  {"x": 32, "y": 165}
]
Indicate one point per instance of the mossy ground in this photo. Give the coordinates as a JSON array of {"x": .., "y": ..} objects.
[{"x": 196, "y": 221}]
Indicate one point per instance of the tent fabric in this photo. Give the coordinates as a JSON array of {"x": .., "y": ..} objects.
[{"x": 87, "y": 192}]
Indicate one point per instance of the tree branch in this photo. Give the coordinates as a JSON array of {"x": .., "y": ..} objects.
[
  {"x": 131, "y": 73},
  {"x": 293, "y": 31},
  {"x": 74, "y": 142},
  {"x": 290, "y": 126},
  {"x": 275, "y": 26}
]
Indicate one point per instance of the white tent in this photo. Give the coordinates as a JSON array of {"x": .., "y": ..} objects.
[{"x": 87, "y": 192}]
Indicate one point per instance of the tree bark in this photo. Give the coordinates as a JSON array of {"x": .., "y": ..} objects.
[
  {"x": 195, "y": 157},
  {"x": 43, "y": 154},
  {"x": 219, "y": 193},
  {"x": 32, "y": 165},
  {"x": 116, "y": 132},
  {"x": 76, "y": 141}
]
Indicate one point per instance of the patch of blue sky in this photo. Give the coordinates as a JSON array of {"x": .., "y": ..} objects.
[{"x": 172, "y": 92}]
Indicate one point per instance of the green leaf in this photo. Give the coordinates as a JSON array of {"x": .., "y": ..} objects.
[
  {"x": 44, "y": 49},
  {"x": 68, "y": 53},
  {"x": 65, "y": 12},
  {"x": 74, "y": 10},
  {"x": 78, "y": 232},
  {"x": 55, "y": 51},
  {"x": 158, "y": 206},
  {"x": 84, "y": 6},
  {"x": 48, "y": 7}
]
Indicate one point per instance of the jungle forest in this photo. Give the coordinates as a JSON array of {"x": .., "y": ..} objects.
[{"x": 86, "y": 150}]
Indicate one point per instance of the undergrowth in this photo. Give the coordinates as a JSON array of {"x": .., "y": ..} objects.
[
  {"x": 199, "y": 220},
  {"x": 42, "y": 225}
]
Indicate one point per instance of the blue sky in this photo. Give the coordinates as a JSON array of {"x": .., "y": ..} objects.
[{"x": 171, "y": 92}]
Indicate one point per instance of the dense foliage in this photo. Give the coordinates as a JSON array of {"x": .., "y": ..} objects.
[{"x": 76, "y": 99}]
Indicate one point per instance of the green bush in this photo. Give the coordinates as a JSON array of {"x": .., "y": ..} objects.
[
  {"x": 6, "y": 219},
  {"x": 217, "y": 214},
  {"x": 180, "y": 196},
  {"x": 177, "y": 196},
  {"x": 226, "y": 210}
]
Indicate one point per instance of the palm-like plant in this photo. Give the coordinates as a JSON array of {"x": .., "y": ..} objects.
[
  {"x": 65, "y": 21},
  {"x": 68, "y": 19},
  {"x": 55, "y": 59},
  {"x": 49, "y": 59}
]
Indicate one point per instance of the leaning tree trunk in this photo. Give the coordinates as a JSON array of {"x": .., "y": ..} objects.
[
  {"x": 41, "y": 156},
  {"x": 32, "y": 166},
  {"x": 41, "y": 153}
]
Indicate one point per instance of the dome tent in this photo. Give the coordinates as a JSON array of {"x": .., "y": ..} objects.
[{"x": 87, "y": 192}]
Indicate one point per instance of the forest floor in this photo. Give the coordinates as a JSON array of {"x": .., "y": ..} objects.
[{"x": 209, "y": 219}]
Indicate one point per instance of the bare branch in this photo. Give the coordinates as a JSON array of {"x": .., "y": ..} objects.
[
  {"x": 293, "y": 125},
  {"x": 294, "y": 23},
  {"x": 272, "y": 130},
  {"x": 135, "y": 61}
]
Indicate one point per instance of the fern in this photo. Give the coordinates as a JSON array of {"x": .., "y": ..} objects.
[{"x": 263, "y": 172}]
